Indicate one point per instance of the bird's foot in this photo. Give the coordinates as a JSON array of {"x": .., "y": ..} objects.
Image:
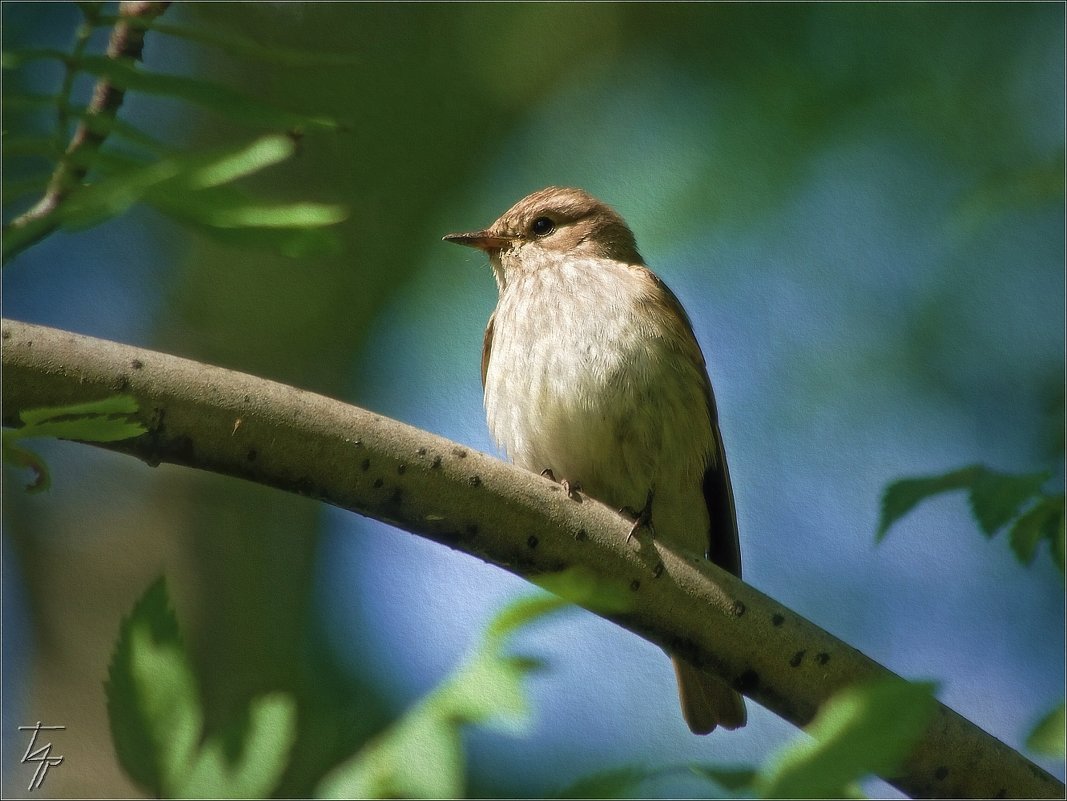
[
  {"x": 642, "y": 519},
  {"x": 571, "y": 488}
]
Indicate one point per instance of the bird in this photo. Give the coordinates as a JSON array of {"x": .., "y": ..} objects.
[{"x": 592, "y": 373}]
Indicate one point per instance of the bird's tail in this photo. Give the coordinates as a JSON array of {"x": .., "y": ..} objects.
[{"x": 706, "y": 700}]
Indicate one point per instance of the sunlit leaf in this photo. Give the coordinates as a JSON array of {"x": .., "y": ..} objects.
[
  {"x": 152, "y": 698},
  {"x": 1049, "y": 735},
  {"x": 257, "y": 155},
  {"x": 302, "y": 214},
  {"x": 863, "y": 730},
  {"x": 583, "y": 587},
  {"x": 420, "y": 756},
  {"x": 113, "y": 404},
  {"x": 105, "y": 420},
  {"x": 248, "y": 760}
]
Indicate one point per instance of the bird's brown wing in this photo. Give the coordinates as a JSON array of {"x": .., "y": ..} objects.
[
  {"x": 724, "y": 547},
  {"x": 487, "y": 346}
]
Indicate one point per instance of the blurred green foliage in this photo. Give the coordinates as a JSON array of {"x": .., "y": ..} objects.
[
  {"x": 157, "y": 717},
  {"x": 996, "y": 499},
  {"x": 105, "y": 420},
  {"x": 157, "y": 725}
]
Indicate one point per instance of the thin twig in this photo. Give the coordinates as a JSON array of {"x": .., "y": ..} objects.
[{"x": 126, "y": 44}]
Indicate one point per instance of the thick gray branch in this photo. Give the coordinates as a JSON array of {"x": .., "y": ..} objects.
[{"x": 238, "y": 425}]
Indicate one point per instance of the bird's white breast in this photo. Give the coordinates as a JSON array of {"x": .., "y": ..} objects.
[{"x": 582, "y": 379}]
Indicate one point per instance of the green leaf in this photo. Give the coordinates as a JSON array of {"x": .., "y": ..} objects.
[
  {"x": 1049, "y": 735},
  {"x": 257, "y": 155},
  {"x": 113, "y": 404},
  {"x": 863, "y": 730},
  {"x": 621, "y": 782},
  {"x": 281, "y": 215},
  {"x": 189, "y": 187},
  {"x": 248, "y": 760},
  {"x": 583, "y": 587},
  {"x": 152, "y": 698},
  {"x": 739, "y": 780},
  {"x": 96, "y": 421},
  {"x": 237, "y": 45},
  {"x": 421, "y": 756},
  {"x": 32, "y": 146},
  {"x": 903, "y": 495},
  {"x": 13, "y": 59},
  {"x": 1043, "y": 521},
  {"x": 21, "y": 457},
  {"x": 21, "y": 100},
  {"x": 218, "y": 98},
  {"x": 996, "y": 498}
]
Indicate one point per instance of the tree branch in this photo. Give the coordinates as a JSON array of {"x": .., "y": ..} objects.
[
  {"x": 238, "y": 425},
  {"x": 126, "y": 44}
]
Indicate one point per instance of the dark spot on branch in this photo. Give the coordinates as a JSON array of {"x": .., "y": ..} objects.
[
  {"x": 7, "y": 334},
  {"x": 582, "y": 535},
  {"x": 657, "y": 571},
  {"x": 532, "y": 541},
  {"x": 364, "y": 465},
  {"x": 777, "y": 620},
  {"x": 378, "y": 482},
  {"x": 738, "y": 609},
  {"x": 460, "y": 452},
  {"x": 305, "y": 486},
  {"x": 251, "y": 455},
  {"x": 401, "y": 469},
  {"x": 358, "y": 443},
  {"x": 136, "y": 364},
  {"x": 474, "y": 481},
  {"x": 941, "y": 773},
  {"x": 436, "y": 463},
  {"x": 798, "y": 657},
  {"x": 395, "y": 501},
  {"x": 822, "y": 658},
  {"x": 635, "y": 585},
  {"x": 747, "y": 682},
  {"x": 421, "y": 452}
]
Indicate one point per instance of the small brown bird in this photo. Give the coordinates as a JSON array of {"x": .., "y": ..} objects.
[{"x": 592, "y": 374}]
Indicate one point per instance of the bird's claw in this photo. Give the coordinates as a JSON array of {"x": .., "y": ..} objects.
[
  {"x": 572, "y": 488},
  {"x": 642, "y": 519}
]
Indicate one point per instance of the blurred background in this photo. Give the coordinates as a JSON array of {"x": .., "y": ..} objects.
[{"x": 862, "y": 209}]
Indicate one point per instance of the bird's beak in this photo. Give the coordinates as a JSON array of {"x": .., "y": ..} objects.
[{"x": 483, "y": 240}]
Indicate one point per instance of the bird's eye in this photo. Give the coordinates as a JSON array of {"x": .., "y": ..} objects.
[{"x": 542, "y": 226}]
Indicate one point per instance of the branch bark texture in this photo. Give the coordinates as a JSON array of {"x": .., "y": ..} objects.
[{"x": 238, "y": 425}]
